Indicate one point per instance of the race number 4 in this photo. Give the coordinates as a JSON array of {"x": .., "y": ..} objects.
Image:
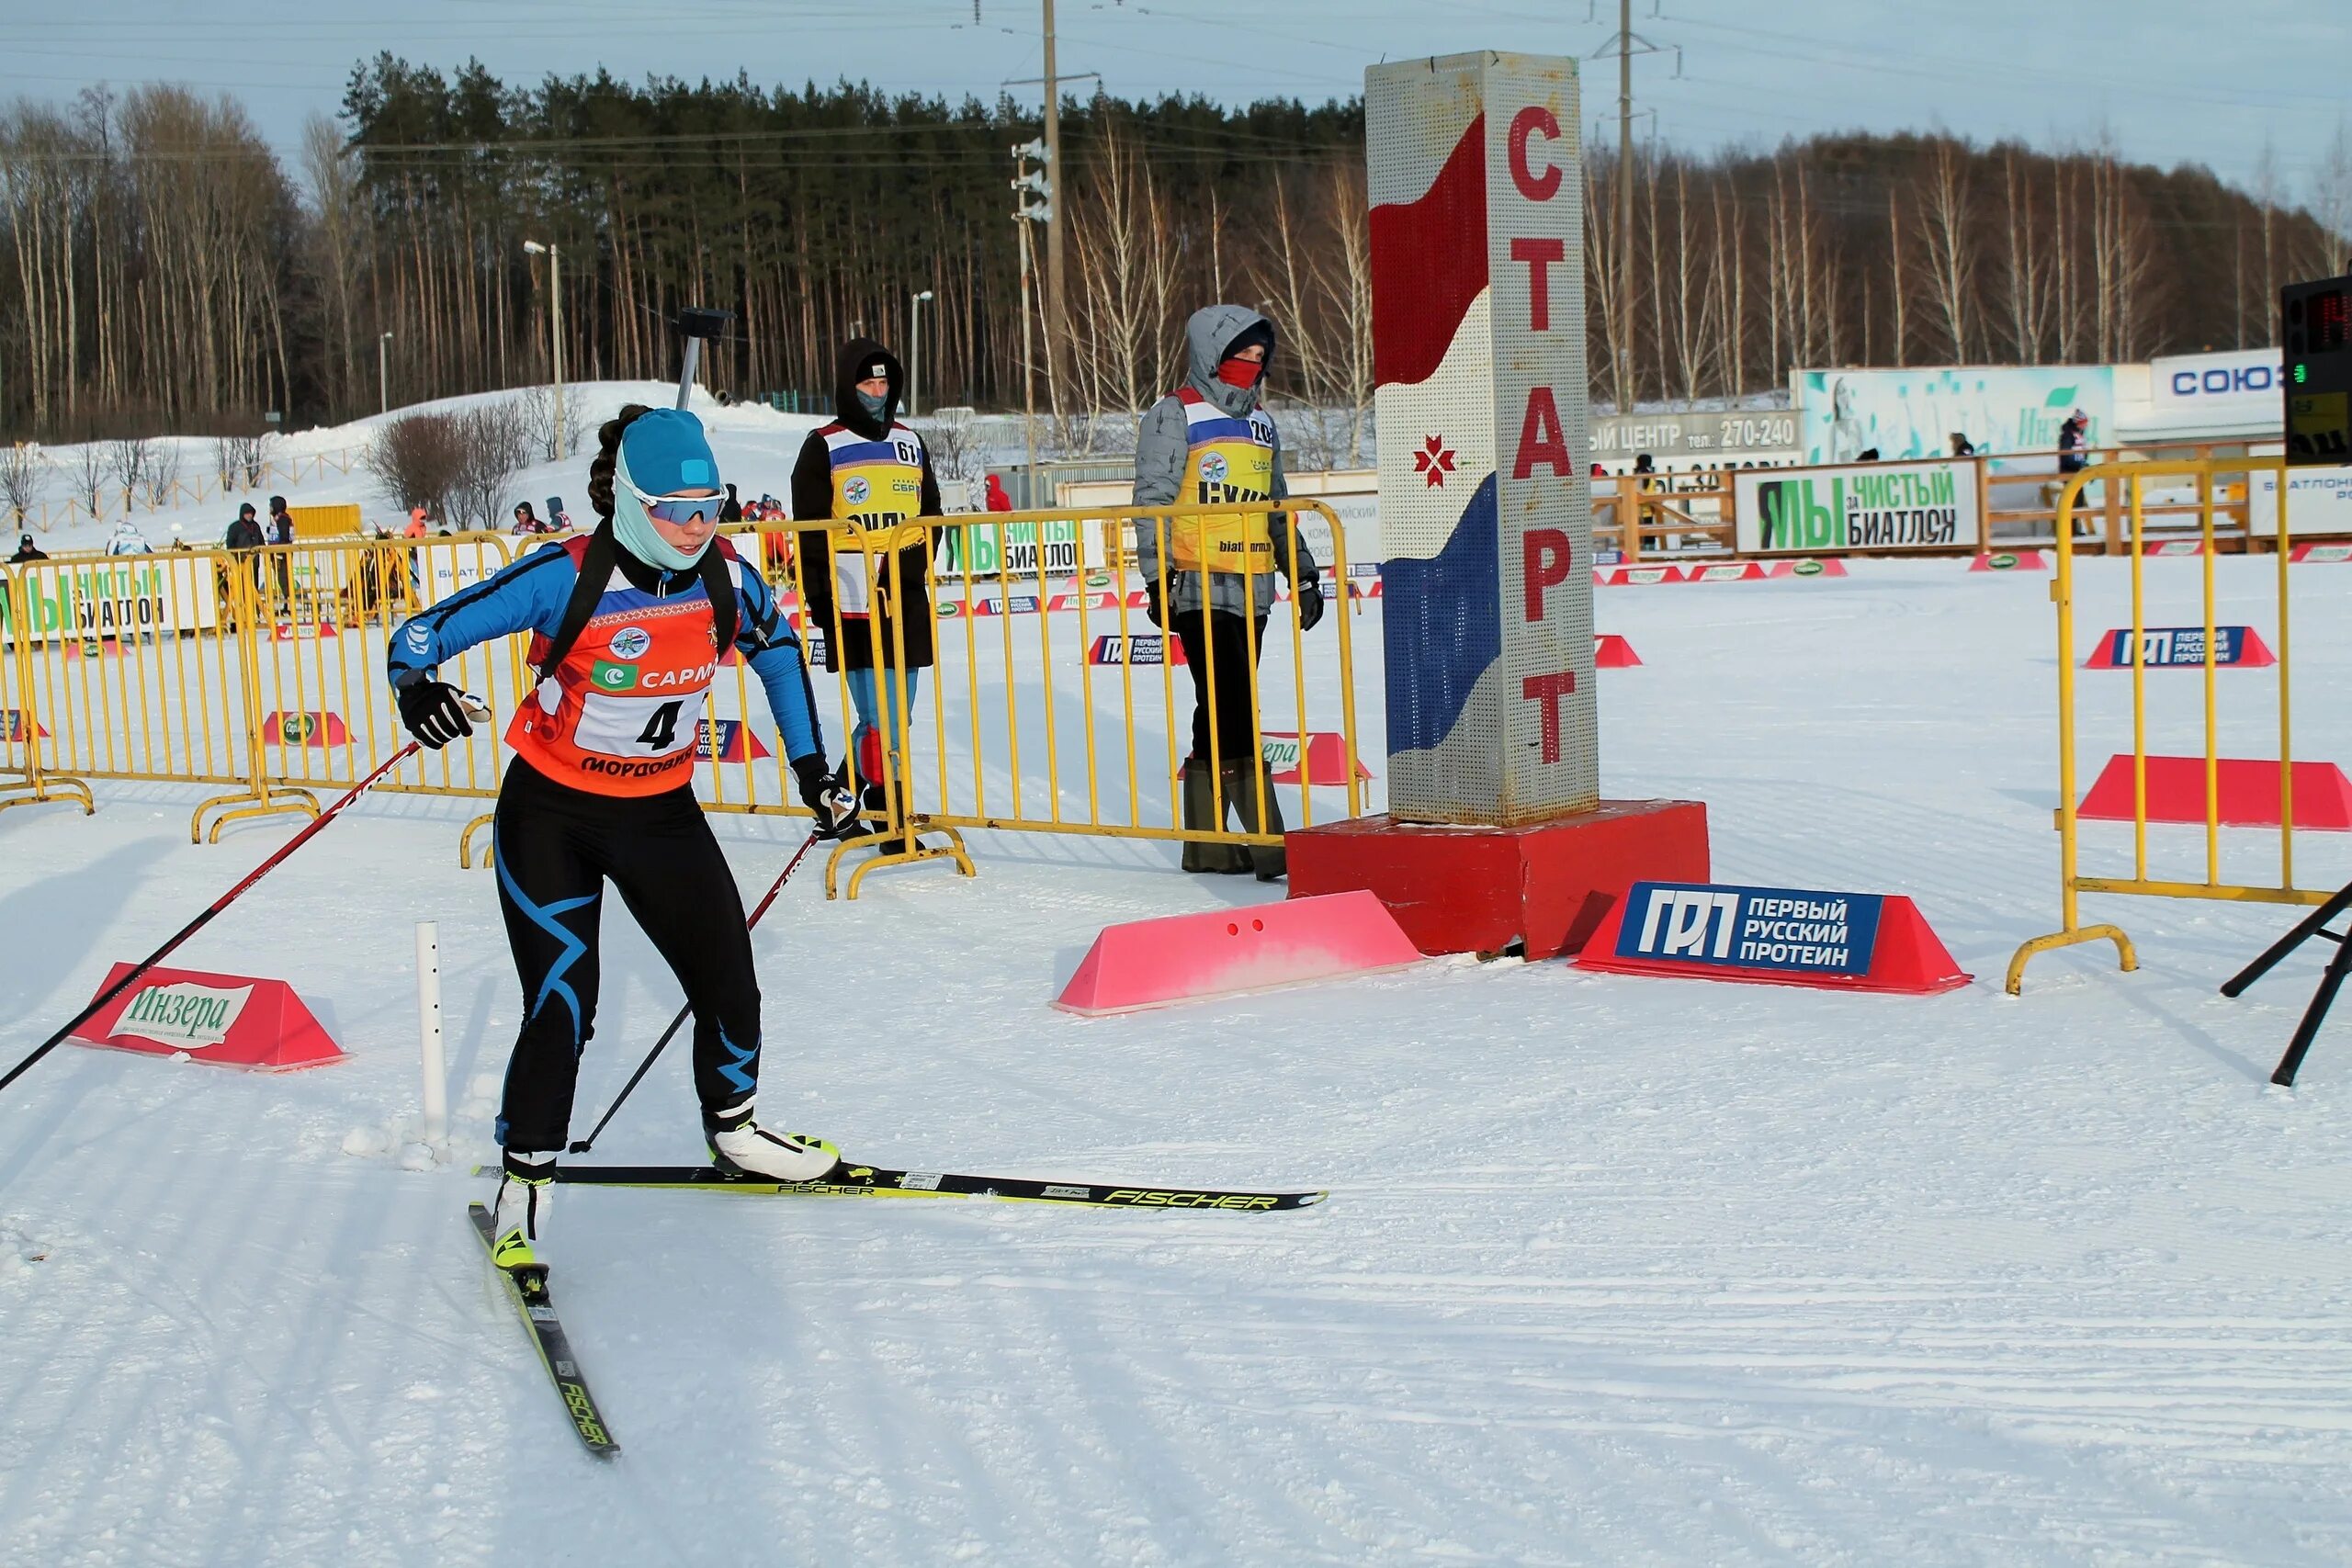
[{"x": 661, "y": 731}]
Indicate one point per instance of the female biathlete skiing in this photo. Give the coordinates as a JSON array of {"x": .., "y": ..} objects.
[{"x": 628, "y": 623}]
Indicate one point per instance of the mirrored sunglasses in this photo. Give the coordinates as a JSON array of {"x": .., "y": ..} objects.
[{"x": 679, "y": 509}]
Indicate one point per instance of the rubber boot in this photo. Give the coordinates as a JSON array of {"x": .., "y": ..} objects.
[
  {"x": 1241, "y": 786},
  {"x": 1201, "y": 816}
]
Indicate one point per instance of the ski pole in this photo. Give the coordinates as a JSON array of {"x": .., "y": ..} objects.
[
  {"x": 582, "y": 1146},
  {"x": 475, "y": 709}
]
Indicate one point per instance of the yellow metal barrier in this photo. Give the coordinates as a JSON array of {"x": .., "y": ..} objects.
[
  {"x": 260, "y": 668},
  {"x": 1026, "y": 733},
  {"x": 21, "y": 723},
  {"x": 2130, "y": 480},
  {"x": 262, "y": 671},
  {"x": 336, "y": 521}
]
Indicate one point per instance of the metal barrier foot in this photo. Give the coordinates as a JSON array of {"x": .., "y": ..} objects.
[
  {"x": 909, "y": 851},
  {"x": 2127, "y": 958},
  {"x": 266, "y": 803},
  {"x": 39, "y": 792},
  {"x": 465, "y": 842}
]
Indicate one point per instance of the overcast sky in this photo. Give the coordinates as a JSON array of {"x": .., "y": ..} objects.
[{"x": 2173, "y": 81}]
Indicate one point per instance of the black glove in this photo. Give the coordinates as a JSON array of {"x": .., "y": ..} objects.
[
  {"x": 1152, "y": 602},
  {"x": 434, "y": 712},
  {"x": 825, "y": 796},
  {"x": 1310, "y": 605}
]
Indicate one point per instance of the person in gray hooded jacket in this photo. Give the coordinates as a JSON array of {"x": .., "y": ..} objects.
[{"x": 1210, "y": 580}]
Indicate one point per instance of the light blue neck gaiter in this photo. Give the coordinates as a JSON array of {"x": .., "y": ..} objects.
[{"x": 635, "y": 531}]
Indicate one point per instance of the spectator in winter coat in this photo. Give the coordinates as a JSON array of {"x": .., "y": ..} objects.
[
  {"x": 127, "y": 540},
  {"x": 1212, "y": 442},
  {"x": 998, "y": 501},
  {"x": 733, "y": 511},
  {"x": 27, "y": 551},
  {"x": 280, "y": 530},
  {"x": 558, "y": 518},
  {"x": 416, "y": 528},
  {"x": 869, "y": 474},
  {"x": 527, "y": 521},
  {"x": 244, "y": 534},
  {"x": 2072, "y": 437},
  {"x": 1962, "y": 446}
]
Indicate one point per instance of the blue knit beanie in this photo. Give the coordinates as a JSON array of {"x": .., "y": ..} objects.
[{"x": 667, "y": 452}]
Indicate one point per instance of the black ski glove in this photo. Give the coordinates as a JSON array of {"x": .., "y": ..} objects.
[
  {"x": 1152, "y": 602},
  {"x": 827, "y": 798},
  {"x": 433, "y": 711},
  {"x": 1310, "y": 606}
]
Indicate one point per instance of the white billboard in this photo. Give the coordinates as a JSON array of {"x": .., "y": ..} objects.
[
  {"x": 2230, "y": 385},
  {"x": 1915, "y": 413},
  {"x": 1873, "y": 507},
  {"x": 118, "y": 596},
  {"x": 2319, "y": 501}
]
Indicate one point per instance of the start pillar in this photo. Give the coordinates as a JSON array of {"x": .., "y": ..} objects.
[{"x": 1495, "y": 822}]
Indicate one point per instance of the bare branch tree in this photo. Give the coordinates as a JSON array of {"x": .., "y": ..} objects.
[
  {"x": 1945, "y": 210},
  {"x": 494, "y": 445},
  {"x": 127, "y": 462},
  {"x": 163, "y": 474},
  {"x": 88, "y": 467},
  {"x": 416, "y": 458},
  {"x": 22, "y": 472}
]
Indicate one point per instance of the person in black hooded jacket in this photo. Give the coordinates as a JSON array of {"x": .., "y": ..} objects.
[{"x": 865, "y": 470}]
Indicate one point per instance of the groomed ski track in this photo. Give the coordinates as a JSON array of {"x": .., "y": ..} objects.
[{"x": 1613, "y": 1271}]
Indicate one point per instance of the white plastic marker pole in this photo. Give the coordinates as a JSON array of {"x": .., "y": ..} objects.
[{"x": 428, "y": 1017}]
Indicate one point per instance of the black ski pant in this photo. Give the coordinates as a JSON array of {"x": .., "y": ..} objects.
[
  {"x": 1236, "y": 641},
  {"x": 555, "y": 848}
]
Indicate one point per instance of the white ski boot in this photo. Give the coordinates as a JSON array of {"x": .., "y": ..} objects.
[
  {"x": 740, "y": 1147},
  {"x": 526, "y": 1194}
]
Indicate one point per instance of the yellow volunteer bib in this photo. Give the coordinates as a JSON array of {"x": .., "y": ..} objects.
[
  {"x": 1227, "y": 460},
  {"x": 876, "y": 485}
]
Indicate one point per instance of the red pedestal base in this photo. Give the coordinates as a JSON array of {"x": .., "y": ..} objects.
[{"x": 1480, "y": 889}]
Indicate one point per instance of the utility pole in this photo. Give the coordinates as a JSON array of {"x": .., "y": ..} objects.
[
  {"x": 1627, "y": 43},
  {"x": 1056, "y": 276},
  {"x": 1623, "y": 356}
]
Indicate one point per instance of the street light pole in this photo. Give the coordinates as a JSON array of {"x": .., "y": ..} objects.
[
  {"x": 914, "y": 349},
  {"x": 555, "y": 331},
  {"x": 383, "y": 377}
]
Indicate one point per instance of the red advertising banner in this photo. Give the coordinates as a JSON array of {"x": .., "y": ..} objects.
[{"x": 230, "y": 1019}]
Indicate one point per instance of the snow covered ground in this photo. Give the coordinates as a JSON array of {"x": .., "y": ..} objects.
[{"x": 1615, "y": 1270}]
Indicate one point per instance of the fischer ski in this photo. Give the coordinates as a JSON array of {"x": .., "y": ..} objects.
[
  {"x": 528, "y": 1288},
  {"x": 880, "y": 1181}
]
